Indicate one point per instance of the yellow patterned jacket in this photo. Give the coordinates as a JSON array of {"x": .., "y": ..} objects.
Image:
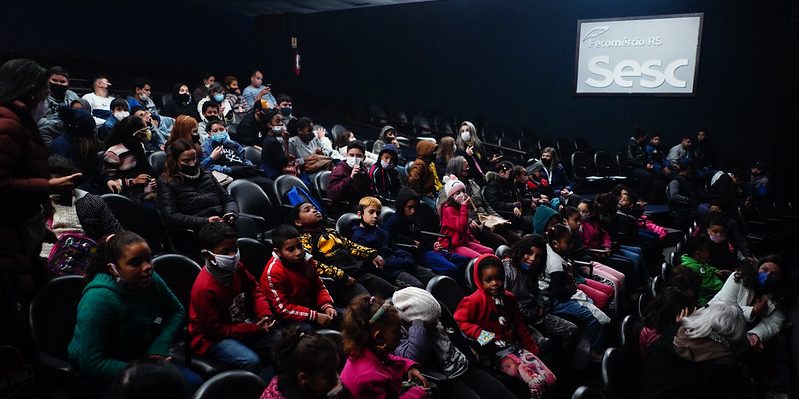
[{"x": 329, "y": 248}]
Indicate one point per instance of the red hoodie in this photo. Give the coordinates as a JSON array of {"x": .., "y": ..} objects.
[
  {"x": 478, "y": 312},
  {"x": 295, "y": 293}
]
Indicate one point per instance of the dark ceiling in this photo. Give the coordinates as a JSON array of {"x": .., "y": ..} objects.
[{"x": 263, "y": 7}]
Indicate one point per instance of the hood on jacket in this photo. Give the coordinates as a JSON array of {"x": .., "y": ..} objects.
[
  {"x": 476, "y": 270},
  {"x": 405, "y": 194},
  {"x": 385, "y": 129},
  {"x": 542, "y": 216},
  {"x": 390, "y": 148},
  {"x": 105, "y": 281},
  {"x": 706, "y": 349},
  {"x": 425, "y": 149}
]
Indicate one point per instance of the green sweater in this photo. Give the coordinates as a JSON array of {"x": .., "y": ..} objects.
[
  {"x": 711, "y": 283},
  {"x": 117, "y": 325}
]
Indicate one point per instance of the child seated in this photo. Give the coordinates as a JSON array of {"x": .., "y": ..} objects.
[
  {"x": 402, "y": 229},
  {"x": 441, "y": 349},
  {"x": 346, "y": 262},
  {"x": 696, "y": 257},
  {"x": 597, "y": 240},
  {"x": 491, "y": 316},
  {"x": 400, "y": 268},
  {"x": 722, "y": 253},
  {"x": 371, "y": 333},
  {"x": 667, "y": 309},
  {"x": 291, "y": 285},
  {"x": 221, "y": 297},
  {"x": 306, "y": 366},
  {"x": 523, "y": 268},
  {"x": 455, "y": 221},
  {"x": 559, "y": 288},
  {"x": 628, "y": 205}
]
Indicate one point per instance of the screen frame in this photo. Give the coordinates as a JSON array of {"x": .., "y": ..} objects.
[{"x": 693, "y": 92}]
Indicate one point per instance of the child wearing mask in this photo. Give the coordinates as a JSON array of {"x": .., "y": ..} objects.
[
  {"x": 291, "y": 284},
  {"x": 722, "y": 253},
  {"x": 647, "y": 228},
  {"x": 306, "y": 366},
  {"x": 385, "y": 180},
  {"x": 371, "y": 333},
  {"x": 349, "y": 181},
  {"x": 350, "y": 265},
  {"x": 402, "y": 229},
  {"x": 455, "y": 221},
  {"x": 221, "y": 297},
  {"x": 559, "y": 289},
  {"x": 696, "y": 257},
  {"x": 491, "y": 316},
  {"x": 400, "y": 268}
]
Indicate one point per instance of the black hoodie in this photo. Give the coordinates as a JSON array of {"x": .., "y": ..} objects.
[{"x": 402, "y": 229}]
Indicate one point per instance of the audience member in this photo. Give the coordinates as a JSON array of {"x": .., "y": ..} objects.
[
  {"x": 666, "y": 310},
  {"x": 150, "y": 379},
  {"x": 126, "y": 313},
  {"x": 209, "y": 111},
  {"x": 292, "y": 286},
  {"x": 237, "y": 102},
  {"x": 216, "y": 93},
  {"x": 388, "y": 135},
  {"x": 454, "y": 213},
  {"x": 202, "y": 91},
  {"x": 140, "y": 96},
  {"x": 469, "y": 146},
  {"x": 491, "y": 316},
  {"x": 100, "y": 98},
  {"x": 349, "y": 181},
  {"x": 446, "y": 151},
  {"x": 310, "y": 154},
  {"x": 696, "y": 257},
  {"x": 180, "y": 103},
  {"x": 502, "y": 195},
  {"x": 275, "y": 157},
  {"x": 256, "y": 124},
  {"x": 422, "y": 177},
  {"x": 185, "y": 128},
  {"x": 385, "y": 180},
  {"x": 257, "y": 91},
  {"x": 79, "y": 144},
  {"x": 680, "y": 153},
  {"x": 119, "y": 111},
  {"x": 51, "y": 125},
  {"x": 188, "y": 196},
  {"x": 555, "y": 172},
  {"x": 223, "y": 296},
  {"x": 640, "y": 167}
]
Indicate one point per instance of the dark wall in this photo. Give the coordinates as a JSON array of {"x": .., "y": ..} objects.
[
  {"x": 513, "y": 61},
  {"x": 163, "y": 40}
]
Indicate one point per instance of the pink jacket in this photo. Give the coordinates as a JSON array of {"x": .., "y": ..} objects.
[
  {"x": 367, "y": 377},
  {"x": 594, "y": 237},
  {"x": 455, "y": 223}
]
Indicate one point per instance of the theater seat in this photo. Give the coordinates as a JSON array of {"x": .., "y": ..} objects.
[
  {"x": 446, "y": 290},
  {"x": 254, "y": 204},
  {"x": 585, "y": 392},
  {"x": 254, "y": 255},
  {"x": 345, "y": 224},
  {"x": 53, "y": 314},
  {"x": 231, "y": 384},
  {"x": 157, "y": 161}
]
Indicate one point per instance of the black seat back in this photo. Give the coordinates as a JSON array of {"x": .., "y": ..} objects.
[
  {"x": 254, "y": 255},
  {"x": 284, "y": 184},
  {"x": 252, "y": 200},
  {"x": 129, "y": 215},
  {"x": 605, "y": 166},
  {"x": 322, "y": 182},
  {"x": 385, "y": 214},
  {"x": 447, "y": 291},
  {"x": 253, "y": 155},
  {"x": 231, "y": 384},
  {"x": 582, "y": 165},
  {"x": 157, "y": 161},
  {"x": 346, "y": 223},
  {"x": 585, "y": 392},
  {"x": 53, "y": 314},
  {"x": 615, "y": 373},
  {"x": 502, "y": 251},
  {"x": 179, "y": 273}
]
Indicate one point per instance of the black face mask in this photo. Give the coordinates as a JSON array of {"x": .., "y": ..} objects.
[
  {"x": 546, "y": 162},
  {"x": 58, "y": 91},
  {"x": 189, "y": 170},
  {"x": 184, "y": 97},
  {"x": 306, "y": 137}
]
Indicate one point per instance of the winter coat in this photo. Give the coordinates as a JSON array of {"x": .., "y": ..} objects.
[
  {"x": 368, "y": 376},
  {"x": 344, "y": 187},
  {"x": 295, "y": 292},
  {"x": 770, "y": 321},
  {"x": 636, "y": 156},
  {"x": 188, "y": 203},
  {"x": 711, "y": 283},
  {"x": 455, "y": 223},
  {"x": 420, "y": 176}
]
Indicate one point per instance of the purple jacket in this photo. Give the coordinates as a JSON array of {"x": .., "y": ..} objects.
[{"x": 345, "y": 188}]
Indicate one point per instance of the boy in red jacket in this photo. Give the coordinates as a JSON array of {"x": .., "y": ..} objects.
[
  {"x": 491, "y": 316},
  {"x": 223, "y": 296},
  {"x": 291, "y": 284}
]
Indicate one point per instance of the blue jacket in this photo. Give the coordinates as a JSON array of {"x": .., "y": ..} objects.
[
  {"x": 656, "y": 157},
  {"x": 376, "y": 237},
  {"x": 233, "y": 155}
]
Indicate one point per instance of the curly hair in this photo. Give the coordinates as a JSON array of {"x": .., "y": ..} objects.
[
  {"x": 297, "y": 351},
  {"x": 356, "y": 328},
  {"x": 780, "y": 292}
]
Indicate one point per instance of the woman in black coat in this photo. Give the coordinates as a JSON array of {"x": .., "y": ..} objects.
[{"x": 188, "y": 196}]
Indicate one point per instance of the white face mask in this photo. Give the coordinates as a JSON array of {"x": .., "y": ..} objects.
[
  {"x": 40, "y": 110},
  {"x": 386, "y": 165},
  {"x": 227, "y": 263},
  {"x": 120, "y": 115},
  {"x": 460, "y": 197},
  {"x": 278, "y": 129},
  {"x": 144, "y": 97},
  {"x": 351, "y": 161},
  {"x": 466, "y": 136}
]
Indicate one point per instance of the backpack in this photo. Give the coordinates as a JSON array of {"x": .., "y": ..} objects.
[
  {"x": 297, "y": 195},
  {"x": 71, "y": 254}
]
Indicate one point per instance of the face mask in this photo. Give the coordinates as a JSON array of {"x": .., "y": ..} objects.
[
  {"x": 762, "y": 278},
  {"x": 120, "y": 115},
  {"x": 219, "y": 97},
  {"x": 219, "y": 137},
  {"x": 190, "y": 171},
  {"x": 466, "y": 136},
  {"x": 144, "y": 97},
  {"x": 183, "y": 97},
  {"x": 144, "y": 135},
  {"x": 336, "y": 390},
  {"x": 546, "y": 161},
  {"x": 385, "y": 165},
  {"x": 58, "y": 91},
  {"x": 40, "y": 110},
  {"x": 460, "y": 197},
  {"x": 278, "y": 129},
  {"x": 306, "y": 137},
  {"x": 716, "y": 238},
  {"x": 286, "y": 112},
  {"x": 351, "y": 161},
  {"x": 524, "y": 266},
  {"x": 227, "y": 263}
]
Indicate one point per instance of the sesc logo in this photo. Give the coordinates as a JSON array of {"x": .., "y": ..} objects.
[{"x": 648, "y": 74}]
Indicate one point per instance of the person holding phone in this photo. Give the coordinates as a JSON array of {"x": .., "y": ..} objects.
[
  {"x": 257, "y": 91},
  {"x": 125, "y": 169},
  {"x": 350, "y": 179}
]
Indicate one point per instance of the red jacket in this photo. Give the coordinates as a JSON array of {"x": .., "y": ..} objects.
[
  {"x": 295, "y": 293},
  {"x": 455, "y": 223},
  {"x": 478, "y": 312},
  {"x": 217, "y": 312}
]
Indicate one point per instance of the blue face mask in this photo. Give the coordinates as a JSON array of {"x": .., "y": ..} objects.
[
  {"x": 219, "y": 97},
  {"x": 285, "y": 111},
  {"x": 219, "y": 137},
  {"x": 762, "y": 278},
  {"x": 524, "y": 266}
]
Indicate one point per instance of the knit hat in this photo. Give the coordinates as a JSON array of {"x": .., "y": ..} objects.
[
  {"x": 452, "y": 185},
  {"x": 416, "y": 304},
  {"x": 541, "y": 217},
  {"x": 389, "y": 148},
  {"x": 536, "y": 166}
]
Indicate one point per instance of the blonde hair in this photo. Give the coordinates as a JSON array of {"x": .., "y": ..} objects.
[{"x": 367, "y": 202}]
